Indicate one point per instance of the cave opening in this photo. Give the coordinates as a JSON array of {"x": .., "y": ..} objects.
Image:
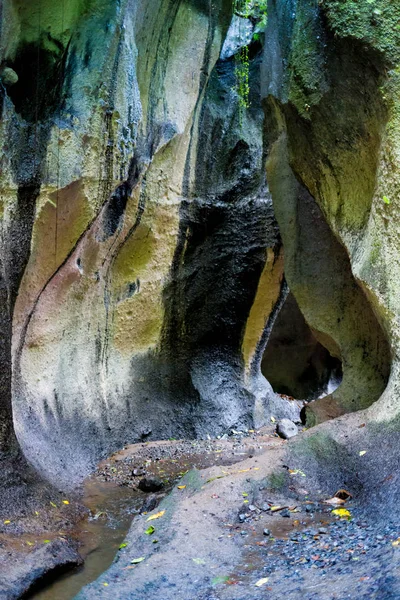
[{"x": 294, "y": 362}]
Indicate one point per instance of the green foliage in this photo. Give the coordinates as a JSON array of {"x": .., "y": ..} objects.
[
  {"x": 242, "y": 77},
  {"x": 256, "y": 11}
]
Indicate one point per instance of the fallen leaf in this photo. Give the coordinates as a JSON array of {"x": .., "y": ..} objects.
[
  {"x": 7, "y": 522},
  {"x": 181, "y": 487},
  {"x": 362, "y": 452},
  {"x": 123, "y": 545},
  {"x": 273, "y": 420},
  {"x": 334, "y": 501},
  {"x": 36, "y": 513},
  {"x": 65, "y": 502},
  {"x": 297, "y": 472},
  {"x": 244, "y": 494},
  {"x": 214, "y": 478},
  {"x": 136, "y": 561},
  {"x": 54, "y": 505},
  {"x": 396, "y": 543},
  {"x": 343, "y": 494},
  {"x": 341, "y": 512},
  {"x": 217, "y": 580},
  {"x": 29, "y": 543},
  {"x": 105, "y": 584},
  {"x": 276, "y": 508},
  {"x": 261, "y": 582},
  {"x": 150, "y": 530},
  {"x": 46, "y": 541},
  {"x": 199, "y": 561},
  {"x": 156, "y": 516}
]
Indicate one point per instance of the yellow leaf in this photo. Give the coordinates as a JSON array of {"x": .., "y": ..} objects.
[
  {"x": 7, "y": 522},
  {"x": 181, "y": 487},
  {"x": 297, "y": 472},
  {"x": 244, "y": 494},
  {"x": 54, "y": 505},
  {"x": 273, "y": 420},
  {"x": 245, "y": 501},
  {"x": 105, "y": 584},
  {"x": 29, "y": 543},
  {"x": 261, "y": 582},
  {"x": 275, "y": 508},
  {"x": 341, "y": 512},
  {"x": 65, "y": 502},
  {"x": 363, "y": 452},
  {"x": 396, "y": 543},
  {"x": 36, "y": 513},
  {"x": 46, "y": 541},
  {"x": 156, "y": 516}
]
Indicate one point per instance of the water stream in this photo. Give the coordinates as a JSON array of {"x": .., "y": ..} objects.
[{"x": 113, "y": 508}]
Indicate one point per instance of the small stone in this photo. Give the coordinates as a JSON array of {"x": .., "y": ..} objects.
[
  {"x": 242, "y": 518},
  {"x": 265, "y": 507},
  {"x": 137, "y": 472},
  {"x": 285, "y": 513},
  {"x": 309, "y": 508},
  {"x": 8, "y": 76},
  {"x": 243, "y": 533},
  {"x": 286, "y": 429},
  {"x": 322, "y": 530},
  {"x": 252, "y": 508},
  {"x": 150, "y": 484},
  {"x": 266, "y": 532}
]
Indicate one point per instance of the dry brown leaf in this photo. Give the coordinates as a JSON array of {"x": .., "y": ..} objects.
[
  {"x": 343, "y": 494},
  {"x": 335, "y": 501}
]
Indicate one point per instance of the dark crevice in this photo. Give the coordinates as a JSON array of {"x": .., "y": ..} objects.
[{"x": 294, "y": 361}]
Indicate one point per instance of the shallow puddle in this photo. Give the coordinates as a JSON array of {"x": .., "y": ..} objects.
[{"x": 113, "y": 508}]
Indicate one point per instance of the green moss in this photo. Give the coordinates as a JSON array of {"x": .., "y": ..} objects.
[
  {"x": 307, "y": 68},
  {"x": 376, "y": 22},
  {"x": 134, "y": 255},
  {"x": 277, "y": 481}
]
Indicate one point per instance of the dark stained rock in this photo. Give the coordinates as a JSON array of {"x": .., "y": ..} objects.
[
  {"x": 150, "y": 484},
  {"x": 22, "y": 576}
]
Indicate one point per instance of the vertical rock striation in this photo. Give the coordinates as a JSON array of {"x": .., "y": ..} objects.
[{"x": 142, "y": 257}]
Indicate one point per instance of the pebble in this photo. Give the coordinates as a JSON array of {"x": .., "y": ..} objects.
[
  {"x": 266, "y": 532},
  {"x": 286, "y": 429}
]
